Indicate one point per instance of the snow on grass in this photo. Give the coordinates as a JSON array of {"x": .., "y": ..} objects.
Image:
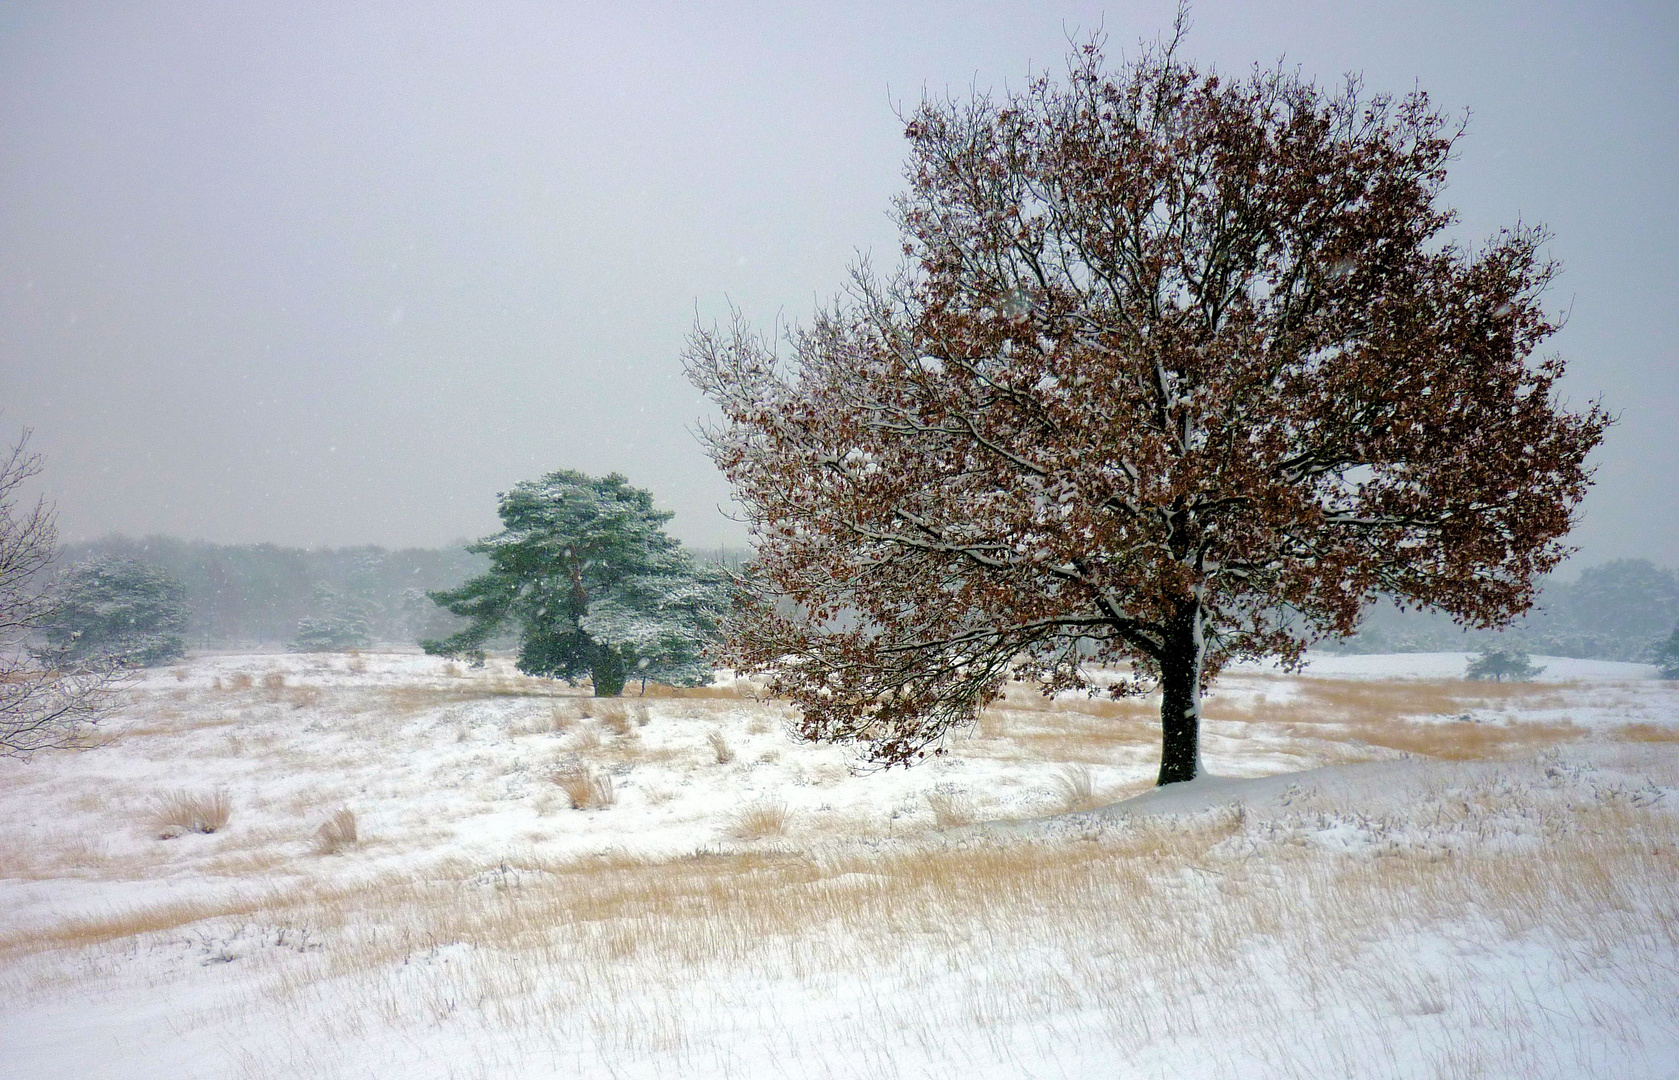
[{"x": 1399, "y": 875}]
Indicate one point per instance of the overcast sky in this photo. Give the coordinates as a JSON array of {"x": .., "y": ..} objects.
[{"x": 332, "y": 274}]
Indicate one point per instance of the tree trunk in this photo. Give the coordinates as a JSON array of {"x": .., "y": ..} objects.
[
  {"x": 606, "y": 670},
  {"x": 1180, "y": 698}
]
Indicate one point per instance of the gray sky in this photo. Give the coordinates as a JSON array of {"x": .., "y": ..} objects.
[{"x": 337, "y": 273}]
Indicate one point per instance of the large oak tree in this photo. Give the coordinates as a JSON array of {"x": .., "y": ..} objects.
[{"x": 1180, "y": 369}]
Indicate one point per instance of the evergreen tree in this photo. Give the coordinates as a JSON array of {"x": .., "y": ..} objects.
[
  {"x": 1501, "y": 664},
  {"x": 338, "y": 622},
  {"x": 118, "y": 611},
  {"x": 1667, "y": 656},
  {"x": 584, "y": 571}
]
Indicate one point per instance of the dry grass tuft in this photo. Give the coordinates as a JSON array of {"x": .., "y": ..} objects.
[
  {"x": 586, "y": 788},
  {"x": 338, "y": 833},
  {"x": 305, "y": 697},
  {"x": 720, "y": 748},
  {"x": 614, "y": 717},
  {"x": 239, "y": 680},
  {"x": 451, "y": 670},
  {"x": 1076, "y": 789},
  {"x": 180, "y": 674},
  {"x": 273, "y": 684},
  {"x": 759, "y": 821},
  {"x": 952, "y": 809},
  {"x": 183, "y": 812},
  {"x": 639, "y": 713}
]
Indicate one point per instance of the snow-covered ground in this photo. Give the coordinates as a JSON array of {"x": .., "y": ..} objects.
[{"x": 1392, "y": 873}]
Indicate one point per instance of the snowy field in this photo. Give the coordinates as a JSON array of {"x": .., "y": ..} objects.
[{"x": 1394, "y": 873}]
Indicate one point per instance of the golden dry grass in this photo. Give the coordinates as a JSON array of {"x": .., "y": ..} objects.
[
  {"x": 182, "y": 812},
  {"x": 951, "y": 809},
  {"x": 1647, "y": 733},
  {"x": 586, "y": 788},
  {"x": 337, "y": 832},
  {"x": 843, "y": 896},
  {"x": 759, "y": 821}
]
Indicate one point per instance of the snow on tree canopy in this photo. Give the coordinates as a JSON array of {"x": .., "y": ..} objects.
[{"x": 585, "y": 572}]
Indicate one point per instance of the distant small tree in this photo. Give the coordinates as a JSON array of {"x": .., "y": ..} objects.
[
  {"x": 42, "y": 705},
  {"x": 1667, "y": 656},
  {"x": 584, "y": 571},
  {"x": 116, "y": 610},
  {"x": 1181, "y": 369},
  {"x": 338, "y": 622},
  {"x": 1501, "y": 664}
]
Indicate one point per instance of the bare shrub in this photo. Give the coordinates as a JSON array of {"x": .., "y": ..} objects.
[
  {"x": 720, "y": 747},
  {"x": 182, "y": 812},
  {"x": 951, "y": 808},
  {"x": 338, "y": 833},
  {"x": 760, "y": 820},
  {"x": 586, "y": 788}
]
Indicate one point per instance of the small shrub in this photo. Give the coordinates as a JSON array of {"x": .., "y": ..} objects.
[
  {"x": 338, "y": 833},
  {"x": 720, "y": 747},
  {"x": 586, "y": 788},
  {"x": 183, "y": 812},
  {"x": 760, "y": 820}
]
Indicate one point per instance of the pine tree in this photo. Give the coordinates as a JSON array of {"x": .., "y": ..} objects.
[
  {"x": 585, "y": 572},
  {"x": 1667, "y": 656},
  {"x": 1501, "y": 664},
  {"x": 118, "y": 611},
  {"x": 338, "y": 622}
]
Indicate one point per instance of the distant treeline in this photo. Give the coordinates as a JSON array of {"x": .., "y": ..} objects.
[
  {"x": 1619, "y": 610},
  {"x": 256, "y": 594}
]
